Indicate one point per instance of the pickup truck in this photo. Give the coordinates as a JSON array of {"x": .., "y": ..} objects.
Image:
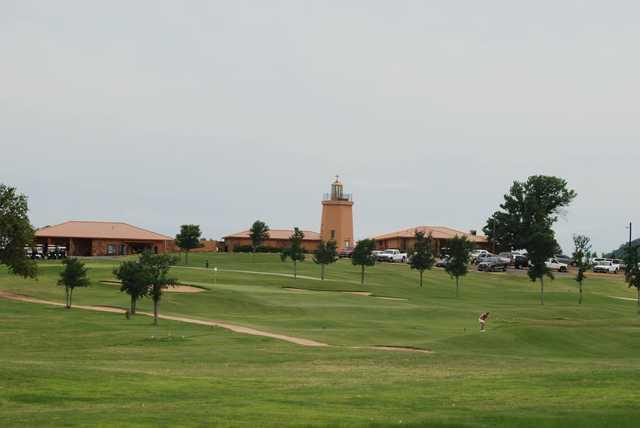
[
  {"x": 606, "y": 266},
  {"x": 393, "y": 256},
  {"x": 554, "y": 264}
]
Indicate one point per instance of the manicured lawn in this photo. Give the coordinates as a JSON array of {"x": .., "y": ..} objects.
[{"x": 558, "y": 365}]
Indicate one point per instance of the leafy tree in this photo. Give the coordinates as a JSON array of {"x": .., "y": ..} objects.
[
  {"x": 422, "y": 256},
  {"x": 326, "y": 254},
  {"x": 132, "y": 274},
  {"x": 188, "y": 239},
  {"x": 15, "y": 233},
  {"x": 540, "y": 248},
  {"x": 295, "y": 250},
  {"x": 258, "y": 233},
  {"x": 72, "y": 276},
  {"x": 581, "y": 256},
  {"x": 526, "y": 218},
  {"x": 632, "y": 271},
  {"x": 156, "y": 276},
  {"x": 528, "y": 206},
  {"x": 459, "y": 257},
  {"x": 363, "y": 255}
]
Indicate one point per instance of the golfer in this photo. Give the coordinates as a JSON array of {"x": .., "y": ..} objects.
[{"x": 483, "y": 320}]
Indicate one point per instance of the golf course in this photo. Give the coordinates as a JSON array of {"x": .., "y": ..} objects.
[{"x": 243, "y": 343}]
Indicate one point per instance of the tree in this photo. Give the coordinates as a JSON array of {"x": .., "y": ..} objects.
[
  {"x": 363, "y": 255},
  {"x": 326, "y": 254},
  {"x": 459, "y": 256},
  {"x": 72, "y": 276},
  {"x": 188, "y": 239},
  {"x": 528, "y": 206},
  {"x": 541, "y": 247},
  {"x": 422, "y": 257},
  {"x": 295, "y": 250},
  {"x": 525, "y": 221},
  {"x": 632, "y": 270},
  {"x": 156, "y": 276},
  {"x": 258, "y": 233},
  {"x": 16, "y": 233},
  {"x": 581, "y": 256},
  {"x": 132, "y": 274}
]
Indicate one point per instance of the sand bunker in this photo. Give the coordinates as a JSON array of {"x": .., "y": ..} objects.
[
  {"x": 174, "y": 289},
  {"x": 353, "y": 293}
]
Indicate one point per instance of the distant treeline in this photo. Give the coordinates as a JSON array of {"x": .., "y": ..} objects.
[{"x": 620, "y": 252}]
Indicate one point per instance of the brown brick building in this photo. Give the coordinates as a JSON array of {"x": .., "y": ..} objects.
[
  {"x": 404, "y": 240},
  {"x": 96, "y": 238},
  {"x": 278, "y": 238}
]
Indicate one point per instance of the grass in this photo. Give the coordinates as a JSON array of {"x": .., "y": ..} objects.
[{"x": 558, "y": 365}]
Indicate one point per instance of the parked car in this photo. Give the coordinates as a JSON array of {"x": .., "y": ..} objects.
[
  {"x": 482, "y": 257},
  {"x": 392, "y": 256},
  {"x": 597, "y": 260},
  {"x": 520, "y": 261},
  {"x": 473, "y": 256},
  {"x": 442, "y": 262},
  {"x": 554, "y": 264},
  {"x": 566, "y": 260},
  {"x": 345, "y": 253},
  {"x": 606, "y": 266},
  {"x": 506, "y": 257},
  {"x": 621, "y": 264},
  {"x": 493, "y": 264}
]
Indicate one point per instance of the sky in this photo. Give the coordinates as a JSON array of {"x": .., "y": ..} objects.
[{"x": 218, "y": 113}]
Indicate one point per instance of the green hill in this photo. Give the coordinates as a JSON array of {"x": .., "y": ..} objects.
[{"x": 558, "y": 365}]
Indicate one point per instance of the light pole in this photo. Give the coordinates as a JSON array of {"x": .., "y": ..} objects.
[{"x": 630, "y": 233}]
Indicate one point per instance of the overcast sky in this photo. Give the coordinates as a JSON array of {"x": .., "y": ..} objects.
[{"x": 161, "y": 113}]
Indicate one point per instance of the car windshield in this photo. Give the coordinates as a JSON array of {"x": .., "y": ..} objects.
[{"x": 604, "y": 263}]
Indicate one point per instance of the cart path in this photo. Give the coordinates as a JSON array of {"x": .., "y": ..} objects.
[
  {"x": 282, "y": 275},
  {"x": 232, "y": 327}
]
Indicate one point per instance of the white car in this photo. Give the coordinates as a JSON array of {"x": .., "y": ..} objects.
[
  {"x": 606, "y": 266},
  {"x": 554, "y": 264},
  {"x": 393, "y": 256}
]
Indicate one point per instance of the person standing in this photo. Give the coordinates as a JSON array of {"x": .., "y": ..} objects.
[{"x": 483, "y": 320}]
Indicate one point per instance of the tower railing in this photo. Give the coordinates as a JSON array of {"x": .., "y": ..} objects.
[{"x": 344, "y": 197}]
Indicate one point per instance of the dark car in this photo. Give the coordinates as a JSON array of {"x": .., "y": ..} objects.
[
  {"x": 520, "y": 261},
  {"x": 493, "y": 264},
  {"x": 566, "y": 260}
]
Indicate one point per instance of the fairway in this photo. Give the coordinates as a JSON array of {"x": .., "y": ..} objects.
[{"x": 395, "y": 354}]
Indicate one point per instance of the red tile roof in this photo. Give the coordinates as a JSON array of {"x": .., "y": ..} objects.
[
  {"x": 99, "y": 230},
  {"x": 279, "y": 234},
  {"x": 437, "y": 232}
]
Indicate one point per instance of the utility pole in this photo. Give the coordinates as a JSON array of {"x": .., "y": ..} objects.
[{"x": 630, "y": 233}]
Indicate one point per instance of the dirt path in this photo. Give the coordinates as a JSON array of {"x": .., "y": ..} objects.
[
  {"x": 227, "y": 326},
  {"x": 232, "y": 327}
]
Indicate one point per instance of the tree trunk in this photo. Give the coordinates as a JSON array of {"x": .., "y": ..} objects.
[
  {"x": 155, "y": 312},
  {"x": 638, "y": 288},
  {"x": 133, "y": 305},
  {"x": 295, "y": 270},
  {"x": 420, "y": 279},
  {"x": 457, "y": 286},
  {"x": 186, "y": 258},
  {"x": 580, "y": 300},
  {"x": 66, "y": 297},
  {"x": 362, "y": 276},
  {"x": 322, "y": 272},
  {"x": 542, "y": 290},
  {"x": 70, "y": 297}
]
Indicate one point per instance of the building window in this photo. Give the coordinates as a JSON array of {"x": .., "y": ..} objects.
[
  {"x": 347, "y": 244},
  {"x": 123, "y": 250},
  {"x": 333, "y": 235},
  {"x": 111, "y": 250}
]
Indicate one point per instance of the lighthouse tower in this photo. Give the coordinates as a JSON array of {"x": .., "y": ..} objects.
[{"x": 337, "y": 217}]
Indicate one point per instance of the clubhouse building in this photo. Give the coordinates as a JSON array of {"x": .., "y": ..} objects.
[
  {"x": 278, "y": 238},
  {"x": 97, "y": 238},
  {"x": 405, "y": 239}
]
